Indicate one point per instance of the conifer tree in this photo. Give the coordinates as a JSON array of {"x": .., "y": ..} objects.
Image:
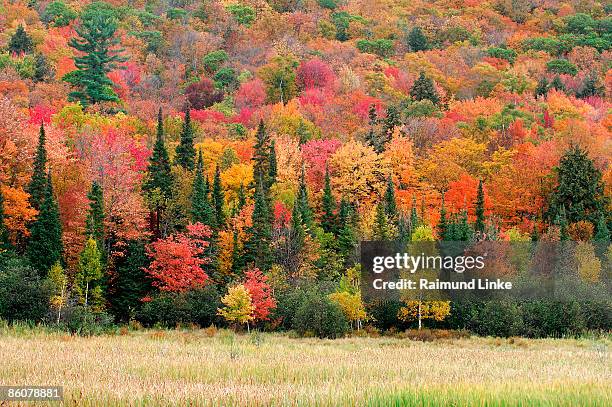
[
  {"x": 94, "y": 223},
  {"x": 380, "y": 230},
  {"x": 201, "y": 209},
  {"x": 442, "y": 224},
  {"x": 159, "y": 172},
  {"x": 261, "y": 159},
  {"x": 20, "y": 42},
  {"x": 557, "y": 84},
  {"x": 272, "y": 169},
  {"x": 417, "y": 40},
  {"x": 185, "y": 151},
  {"x": 218, "y": 200},
  {"x": 95, "y": 44},
  {"x": 479, "y": 226},
  {"x": 602, "y": 233},
  {"x": 238, "y": 263},
  {"x": 303, "y": 203},
  {"x": 464, "y": 231},
  {"x": 390, "y": 205},
  {"x": 298, "y": 234},
  {"x": 328, "y": 203},
  {"x": 38, "y": 182},
  {"x": 241, "y": 198},
  {"x": 257, "y": 246},
  {"x": 45, "y": 247},
  {"x": 423, "y": 88},
  {"x": 346, "y": 232},
  {"x": 542, "y": 87},
  {"x": 590, "y": 88},
  {"x": 414, "y": 217}
]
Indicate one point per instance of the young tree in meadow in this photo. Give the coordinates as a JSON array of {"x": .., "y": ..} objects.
[
  {"x": 38, "y": 182},
  {"x": 94, "y": 43},
  {"x": 201, "y": 209},
  {"x": 176, "y": 261},
  {"x": 45, "y": 246},
  {"x": 328, "y": 203},
  {"x": 20, "y": 42},
  {"x": 238, "y": 306},
  {"x": 424, "y": 88},
  {"x": 185, "y": 151},
  {"x": 59, "y": 282},
  {"x": 262, "y": 298},
  {"x": 89, "y": 274},
  {"x": 94, "y": 223}
]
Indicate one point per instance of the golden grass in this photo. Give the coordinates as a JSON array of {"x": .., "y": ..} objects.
[{"x": 193, "y": 368}]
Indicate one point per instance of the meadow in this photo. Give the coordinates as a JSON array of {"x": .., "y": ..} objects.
[{"x": 209, "y": 367}]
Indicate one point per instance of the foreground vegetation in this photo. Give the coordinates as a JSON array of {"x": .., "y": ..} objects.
[{"x": 210, "y": 367}]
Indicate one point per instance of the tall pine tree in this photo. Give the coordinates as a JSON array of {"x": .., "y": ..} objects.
[
  {"x": 159, "y": 175},
  {"x": 201, "y": 209},
  {"x": 94, "y": 223},
  {"x": 45, "y": 247},
  {"x": 424, "y": 88},
  {"x": 185, "y": 151},
  {"x": 38, "y": 182},
  {"x": 95, "y": 43},
  {"x": 257, "y": 246},
  {"x": 261, "y": 159},
  {"x": 479, "y": 226},
  {"x": 304, "y": 204},
  {"x": 20, "y": 42},
  {"x": 417, "y": 40},
  {"x": 390, "y": 203},
  {"x": 218, "y": 200}
]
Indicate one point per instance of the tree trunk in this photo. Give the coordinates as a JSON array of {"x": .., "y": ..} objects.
[
  {"x": 419, "y": 315},
  {"x": 86, "y": 292}
]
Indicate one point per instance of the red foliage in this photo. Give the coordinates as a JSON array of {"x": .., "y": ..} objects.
[
  {"x": 252, "y": 94},
  {"x": 315, "y": 74},
  {"x": 316, "y": 153},
  {"x": 207, "y": 115},
  {"x": 203, "y": 94},
  {"x": 177, "y": 260},
  {"x": 282, "y": 216},
  {"x": 461, "y": 195},
  {"x": 261, "y": 294},
  {"x": 41, "y": 114}
]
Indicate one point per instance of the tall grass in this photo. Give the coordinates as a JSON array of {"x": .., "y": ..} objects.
[{"x": 200, "y": 367}]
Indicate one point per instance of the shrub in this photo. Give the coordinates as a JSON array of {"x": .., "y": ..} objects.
[
  {"x": 384, "y": 313},
  {"x": 502, "y": 53},
  {"x": 380, "y": 47},
  {"x": 544, "y": 318},
  {"x": 58, "y": 14},
  {"x": 23, "y": 294},
  {"x": 82, "y": 320},
  {"x": 497, "y": 318},
  {"x": 244, "y": 15},
  {"x": 213, "y": 60},
  {"x": 321, "y": 317},
  {"x": 561, "y": 66}
]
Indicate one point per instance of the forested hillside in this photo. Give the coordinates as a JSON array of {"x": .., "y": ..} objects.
[{"x": 160, "y": 160}]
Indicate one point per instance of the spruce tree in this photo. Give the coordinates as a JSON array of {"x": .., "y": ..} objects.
[
  {"x": 464, "y": 231},
  {"x": 159, "y": 177},
  {"x": 479, "y": 226},
  {"x": 95, "y": 44},
  {"x": 38, "y": 182},
  {"x": 272, "y": 167},
  {"x": 304, "y": 204},
  {"x": 218, "y": 200},
  {"x": 328, "y": 203},
  {"x": 346, "y": 232},
  {"x": 298, "y": 234},
  {"x": 414, "y": 217},
  {"x": 390, "y": 203},
  {"x": 380, "y": 230},
  {"x": 557, "y": 84},
  {"x": 261, "y": 159},
  {"x": 579, "y": 190},
  {"x": 20, "y": 42},
  {"x": 602, "y": 233},
  {"x": 590, "y": 88},
  {"x": 423, "y": 88},
  {"x": 417, "y": 40},
  {"x": 257, "y": 246},
  {"x": 185, "y": 151},
  {"x": 201, "y": 209},
  {"x": 241, "y": 198},
  {"x": 42, "y": 70},
  {"x": 238, "y": 263},
  {"x": 94, "y": 223},
  {"x": 45, "y": 247}
]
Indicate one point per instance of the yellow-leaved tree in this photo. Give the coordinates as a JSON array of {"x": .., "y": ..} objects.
[
  {"x": 60, "y": 283},
  {"x": 238, "y": 306}
]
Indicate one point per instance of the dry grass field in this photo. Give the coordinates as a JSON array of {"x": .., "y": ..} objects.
[{"x": 201, "y": 367}]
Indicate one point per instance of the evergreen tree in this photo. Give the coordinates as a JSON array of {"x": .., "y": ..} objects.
[
  {"x": 463, "y": 230},
  {"x": 390, "y": 204},
  {"x": 403, "y": 231},
  {"x": 304, "y": 204},
  {"x": 238, "y": 263},
  {"x": 561, "y": 222},
  {"x": 542, "y": 88},
  {"x": 346, "y": 232},
  {"x": 328, "y": 203},
  {"x": 159, "y": 176},
  {"x": 45, "y": 245},
  {"x": 130, "y": 283},
  {"x": 590, "y": 88},
  {"x": 261, "y": 159},
  {"x": 185, "y": 151},
  {"x": 479, "y": 226},
  {"x": 20, "y": 42},
  {"x": 579, "y": 190},
  {"x": 38, "y": 182},
  {"x": 241, "y": 198},
  {"x": 218, "y": 200},
  {"x": 272, "y": 169},
  {"x": 380, "y": 230},
  {"x": 414, "y": 217},
  {"x": 417, "y": 40},
  {"x": 298, "y": 234},
  {"x": 201, "y": 209},
  {"x": 95, "y": 43},
  {"x": 94, "y": 223},
  {"x": 257, "y": 247},
  {"x": 423, "y": 88},
  {"x": 5, "y": 243},
  {"x": 372, "y": 137},
  {"x": 42, "y": 70}
]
